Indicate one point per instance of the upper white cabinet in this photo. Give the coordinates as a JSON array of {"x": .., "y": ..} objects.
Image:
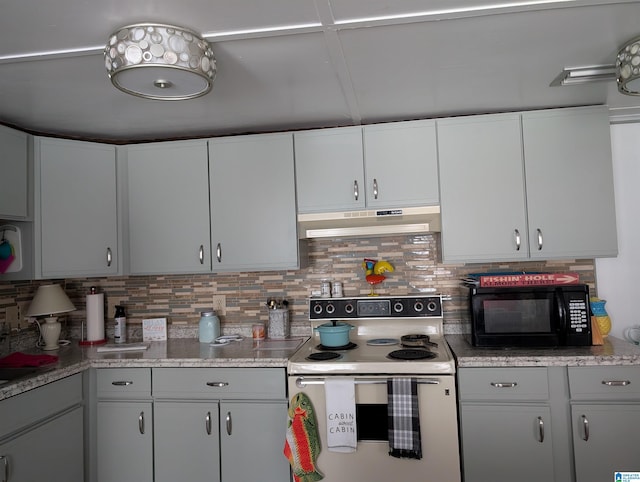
[
  {"x": 14, "y": 181},
  {"x": 537, "y": 185},
  {"x": 76, "y": 209},
  {"x": 378, "y": 166},
  {"x": 401, "y": 164},
  {"x": 168, "y": 199},
  {"x": 569, "y": 179},
  {"x": 253, "y": 213}
]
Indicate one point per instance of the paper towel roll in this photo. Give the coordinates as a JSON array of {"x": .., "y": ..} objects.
[{"x": 95, "y": 317}]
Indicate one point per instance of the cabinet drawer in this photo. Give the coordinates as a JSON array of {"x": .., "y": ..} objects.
[
  {"x": 36, "y": 405},
  {"x": 219, "y": 383},
  {"x": 605, "y": 382},
  {"x": 503, "y": 384},
  {"x": 125, "y": 383}
]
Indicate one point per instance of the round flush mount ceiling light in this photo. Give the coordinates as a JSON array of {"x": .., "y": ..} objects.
[
  {"x": 628, "y": 68},
  {"x": 160, "y": 62}
]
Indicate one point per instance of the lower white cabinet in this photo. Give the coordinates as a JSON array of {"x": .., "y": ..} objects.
[{"x": 42, "y": 434}]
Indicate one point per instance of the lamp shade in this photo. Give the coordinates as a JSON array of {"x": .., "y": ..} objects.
[{"x": 50, "y": 300}]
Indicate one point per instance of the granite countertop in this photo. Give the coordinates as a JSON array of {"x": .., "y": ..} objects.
[
  {"x": 181, "y": 352},
  {"x": 614, "y": 352}
]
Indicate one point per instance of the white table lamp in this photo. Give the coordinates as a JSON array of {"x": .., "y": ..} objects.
[{"x": 50, "y": 300}]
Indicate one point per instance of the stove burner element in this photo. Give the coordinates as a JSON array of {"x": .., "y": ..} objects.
[
  {"x": 383, "y": 341},
  {"x": 323, "y": 356},
  {"x": 411, "y": 354},
  {"x": 348, "y": 346},
  {"x": 417, "y": 341}
]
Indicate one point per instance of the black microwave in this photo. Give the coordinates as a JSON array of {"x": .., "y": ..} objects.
[{"x": 531, "y": 316}]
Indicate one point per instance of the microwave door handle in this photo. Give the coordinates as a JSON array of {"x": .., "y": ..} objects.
[{"x": 562, "y": 312}]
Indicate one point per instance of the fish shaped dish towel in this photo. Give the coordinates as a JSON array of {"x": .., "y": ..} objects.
[
  {"x": 302, "y": 444},
  {"x": 404, "y": 418},
  {"x": 340, "y": 398}
]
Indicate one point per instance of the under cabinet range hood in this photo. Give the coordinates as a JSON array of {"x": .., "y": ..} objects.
[{"x": 370, "y": 222}]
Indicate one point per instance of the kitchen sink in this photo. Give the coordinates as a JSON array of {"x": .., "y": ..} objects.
[{"x": 9, "y": 374}]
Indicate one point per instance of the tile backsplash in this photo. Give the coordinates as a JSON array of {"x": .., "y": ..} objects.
[{"x": 180, "y": 298}]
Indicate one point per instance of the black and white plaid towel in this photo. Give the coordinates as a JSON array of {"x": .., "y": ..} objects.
[{"x": 404, "y": 418}]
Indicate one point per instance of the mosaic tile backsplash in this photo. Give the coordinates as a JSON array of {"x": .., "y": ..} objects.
[{"x": 180, "y": 298}]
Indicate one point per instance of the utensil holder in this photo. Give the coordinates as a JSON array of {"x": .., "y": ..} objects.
[{"x": 278, "y": 326}]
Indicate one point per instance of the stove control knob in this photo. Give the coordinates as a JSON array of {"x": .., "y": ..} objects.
[
  {"x": 317, "y": 309},
  {"x": 432, "y": 306},
  {"x": 330, "y": 309},
  {"x": 418, "y": 306},
  {"x": 398, "y": 307},
  {"x": 348, "y": 308}
]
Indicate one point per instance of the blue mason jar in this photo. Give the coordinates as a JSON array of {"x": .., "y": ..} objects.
[{"x": 208, "y": 327}]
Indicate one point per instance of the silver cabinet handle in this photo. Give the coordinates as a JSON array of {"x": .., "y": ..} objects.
[
  {"x": 201, "y": 254},
  {"x": 5, "y": 471},
  {"x": 141, "y": 423},
  {"x": 219, "y": 252},
  {"x": 616, "y": 383},
  {"x": 540, "y": 430},
  {"x": 585, "y": 428},
  {"x": 517, "y": 236},
  {"x": 207, "y": 423},
  {"x": 375, "y": 189},
  {"x": 539, "y": 231},
  {"x": 356, "y": 193},
  {"x": 504, "y": 384},
  {"x": 109, "y": 257},
  {"x": 229, "y": 424},
  {"x": 122, "y": 383},
  {"x": 218, "y": 384}
]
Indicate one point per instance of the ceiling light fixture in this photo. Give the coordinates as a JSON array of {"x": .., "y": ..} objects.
[
  {"x": 160, "y": 62},
  {"x": 628, "y": 68},
  {"x": 584, "y": 75}
]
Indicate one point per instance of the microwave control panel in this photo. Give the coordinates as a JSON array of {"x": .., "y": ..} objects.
[{"x": 578, "y": 315}]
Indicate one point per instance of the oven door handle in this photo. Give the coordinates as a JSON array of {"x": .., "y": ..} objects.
[{"x": 302, "y": 382}]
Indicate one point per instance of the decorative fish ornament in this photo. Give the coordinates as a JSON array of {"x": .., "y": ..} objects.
[{"x": 302, "y": 444}]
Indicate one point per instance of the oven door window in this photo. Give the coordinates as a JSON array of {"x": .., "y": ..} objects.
[{"x": 372, "y": 422}]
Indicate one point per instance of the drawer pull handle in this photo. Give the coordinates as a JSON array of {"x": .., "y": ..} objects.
[
  {"x": 585, "y": 428},
  {"x": 218, "y": 384},
  {"x": 5, "y": 471},
  {"x": 141, "y": 423},
  {"x": 504, "y": 384},
  {"x": 122, "y": 383},
  {"x": 539, "y": 231},
  {"x": 540, "y": 430},
  {"x": 229, "y": 424},
  {"x": 375, "y": 189},
  {"x": 201, "y": 254},
  {"x": 219, "y": 252},
  {"x": 616, "y": 383},
  {"x": 518, "y": 240},
  {"x": 109, "y": 257},
  {"x": 356, "y": 193},
  {"x": 207, "y": 423}
]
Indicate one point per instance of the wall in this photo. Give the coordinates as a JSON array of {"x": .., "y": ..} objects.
[
  {"x": 617, "y": 277},
  {"x": 180, "y": 298}
]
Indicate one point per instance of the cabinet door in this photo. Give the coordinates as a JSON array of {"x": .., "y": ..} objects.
[
  {"x": 52, "y": 451},
  {"x": 168, "y": 208},
  {"x": 569, "y": 183},
  {"x": 253, "y": 214},
  {"x": 401, "y": 164},
  {"x": 482, "y": 189},
  {"x": 187, "y": 442},
  {"x": 329, "y": 170},
  {"x": 125, "y": 441},
  {"x": 14, "y": 182},
  {"x": 252, "y": 439},
  {"x": 606, "y": 438},
  {"x": 506, "y": 442},
  {"x": 77, "y": 208}
]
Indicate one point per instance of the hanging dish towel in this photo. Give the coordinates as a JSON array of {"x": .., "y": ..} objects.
[
  {"x": 302, "y": 444},
  {"x": 20, "y": 360},
  {"x": 340, "y": 395},
  {"x": 404, "y": 418}
]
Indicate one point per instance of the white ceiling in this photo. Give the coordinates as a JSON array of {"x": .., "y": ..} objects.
[{"x": 341, "y": 62}]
